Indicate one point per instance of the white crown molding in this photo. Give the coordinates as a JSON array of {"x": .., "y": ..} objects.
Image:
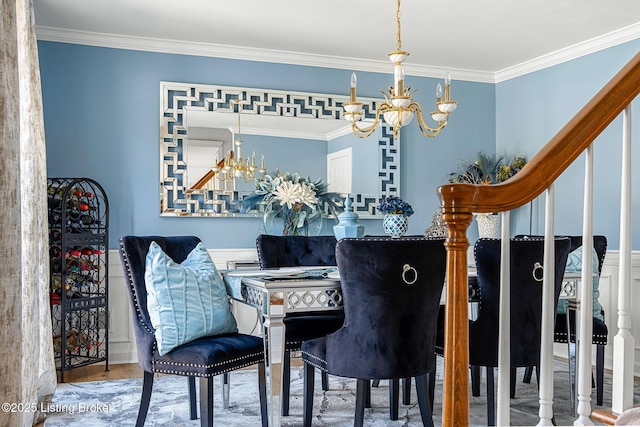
[
  {"x": 248, "y": 54},
  {"x": 578, "y": 50},
  {"x": 614, "y": 38}
]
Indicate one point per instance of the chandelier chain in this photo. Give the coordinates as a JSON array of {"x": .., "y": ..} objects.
[{"x": 398, "y": 41}]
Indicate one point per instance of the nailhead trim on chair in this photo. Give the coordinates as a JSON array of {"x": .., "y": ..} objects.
[
  {"x": 322, "y": 368},
  {"x": 598, "y": 339},
  {"x": 259, "y": 354},
  {"x": 212, "y": 374}
]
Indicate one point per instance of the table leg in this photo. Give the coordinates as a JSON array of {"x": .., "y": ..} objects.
[{"x": 274, "y": 354}]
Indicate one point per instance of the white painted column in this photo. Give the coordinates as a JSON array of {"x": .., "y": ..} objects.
[{"x": 623, "y": 342}]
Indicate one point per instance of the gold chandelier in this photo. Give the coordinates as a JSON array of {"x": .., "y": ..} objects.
[
  {"x": 233, "y": 166},
  {"x": 399, "y": 108}
]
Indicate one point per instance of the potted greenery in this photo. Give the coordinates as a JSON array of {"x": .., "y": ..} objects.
[{"x": 488, "y": 170}]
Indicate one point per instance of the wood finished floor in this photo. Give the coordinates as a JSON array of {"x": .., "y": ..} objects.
[{"x": 98, "y": 373}]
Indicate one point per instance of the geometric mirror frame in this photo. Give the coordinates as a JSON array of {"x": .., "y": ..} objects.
[{"x": 179, "y": 198}]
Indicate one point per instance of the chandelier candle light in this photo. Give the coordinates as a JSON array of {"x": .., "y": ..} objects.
[
  {"x": 233, "y": 165},
  {"x": 399, "y": 108}
]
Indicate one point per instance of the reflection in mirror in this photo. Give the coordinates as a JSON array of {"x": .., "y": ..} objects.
[{"x": 296, "y": 132}]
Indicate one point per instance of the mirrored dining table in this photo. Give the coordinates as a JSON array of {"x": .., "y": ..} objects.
[{"x": 276, "y": 293}]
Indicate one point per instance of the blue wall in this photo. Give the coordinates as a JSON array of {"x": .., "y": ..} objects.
[
  {"x": 531, "y": 109},
  {"x": 101, "y": 110}
]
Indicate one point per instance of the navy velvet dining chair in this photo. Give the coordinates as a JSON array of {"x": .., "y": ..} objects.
[
  {"x": 294, "y": 251},
  {"x": 526, "y": 267},
  {"x": 600, "y": 332},
  {"x": 391, "y": 290},
  {"x": 204, "y": 357}
]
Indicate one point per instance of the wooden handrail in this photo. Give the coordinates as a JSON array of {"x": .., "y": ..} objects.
[
  {"x": 208, "y": 176},
  {"x": 459, "y": 201}
]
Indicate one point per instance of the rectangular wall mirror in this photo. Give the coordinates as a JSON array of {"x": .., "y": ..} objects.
[{"x": 295, "y": 132}]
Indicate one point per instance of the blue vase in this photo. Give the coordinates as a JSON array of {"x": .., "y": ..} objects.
[
  {"x": 395, "y": 225},
  {"x": 348, "y": 223}
]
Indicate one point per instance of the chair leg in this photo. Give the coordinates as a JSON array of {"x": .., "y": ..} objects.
[
  {"x": 512, "y": 385},
  {"x": 262, "y": 391},
  {"x": 367, "y": 395},
  {"x": 572, "y": 375},
  {"x": 286, "y": 383},
  {"x": 225, "y": 390},
  {"x": 491, "y": 399},
  {"x": 406, "y": 391},
  {"x": 432, "y": 388},
  {"x": 394, "y": 396},
  {"x": 147, "y": 386},
  {"x": 193, "y": 404},
  {"x": 206, "y": 402},
  {"x": 325, "y": 380},
  {"x": 475, "y": 380},
  {"x": 528, "y": 371},
  {"x": 307, "y": 397},
  {"x": 423, "y": 399},
  {"x": 361, "y": 391},
  {"x": 599, "y": 374},
  {"x": 375, "y": 383}
]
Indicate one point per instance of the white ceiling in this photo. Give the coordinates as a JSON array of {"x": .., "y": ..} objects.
[{"x": 488, "y": 40}]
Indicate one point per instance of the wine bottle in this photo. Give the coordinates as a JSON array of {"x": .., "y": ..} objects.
[
  {"x": 55, "y": 251},
  {"x": 55, "y": 235}
]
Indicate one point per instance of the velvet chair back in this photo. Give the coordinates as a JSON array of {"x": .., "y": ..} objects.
[
  {"x": 391, "y": 290},
  {"x": 292, "y": 251},
  {"x": 135, "y": 249},
  {"x": 526, "y": 299},
  {"x": 599, "y": 244}
]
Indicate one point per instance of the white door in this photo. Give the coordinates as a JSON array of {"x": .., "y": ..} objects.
[{"x": 339, "y": 171}]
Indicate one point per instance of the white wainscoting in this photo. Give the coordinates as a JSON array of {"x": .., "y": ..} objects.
[
  {"x": 609, "y": 300},
  {"x": 122, "y": 341}
]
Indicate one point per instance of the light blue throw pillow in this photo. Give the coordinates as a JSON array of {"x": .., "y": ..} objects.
[
  {"x": 574, "y": 264},
  {"x": 185, "y": 301}
]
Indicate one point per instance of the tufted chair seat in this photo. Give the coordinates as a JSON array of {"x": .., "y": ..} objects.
[{"x": 205, "y": 357}]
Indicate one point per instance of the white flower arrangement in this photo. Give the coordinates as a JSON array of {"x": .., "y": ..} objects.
[{"x": 297, "y": 200}]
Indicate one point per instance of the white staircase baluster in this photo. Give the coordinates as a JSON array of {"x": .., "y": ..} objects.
[
  {"x": 504, "y": 327},
  {"x": 585, "y": 310},
  {"x": 548, "y": 315},
  {"x": 623, "y": 342}
]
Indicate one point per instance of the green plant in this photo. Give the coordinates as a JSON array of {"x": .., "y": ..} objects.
[{"x": 488, "y": 169}]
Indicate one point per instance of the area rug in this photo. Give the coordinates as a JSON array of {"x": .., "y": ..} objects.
[{"x": 115, "y": 403}]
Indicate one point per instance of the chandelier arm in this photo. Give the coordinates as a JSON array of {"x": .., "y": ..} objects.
[
  {"x": 426, "y": 130},
  {"x": 368, "y": 131},
  {"x": 364, "y": 132}
]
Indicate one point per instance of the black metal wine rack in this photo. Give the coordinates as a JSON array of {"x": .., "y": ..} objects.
[{"x": 79, "y": 264}]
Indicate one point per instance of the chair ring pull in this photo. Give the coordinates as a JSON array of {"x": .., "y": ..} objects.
[
  {"x": 406, "y": 268},
  {"x": 537, "y": 266}
]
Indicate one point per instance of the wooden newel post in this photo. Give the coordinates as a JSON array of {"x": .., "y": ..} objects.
[{"x": 455, "y": 407}]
